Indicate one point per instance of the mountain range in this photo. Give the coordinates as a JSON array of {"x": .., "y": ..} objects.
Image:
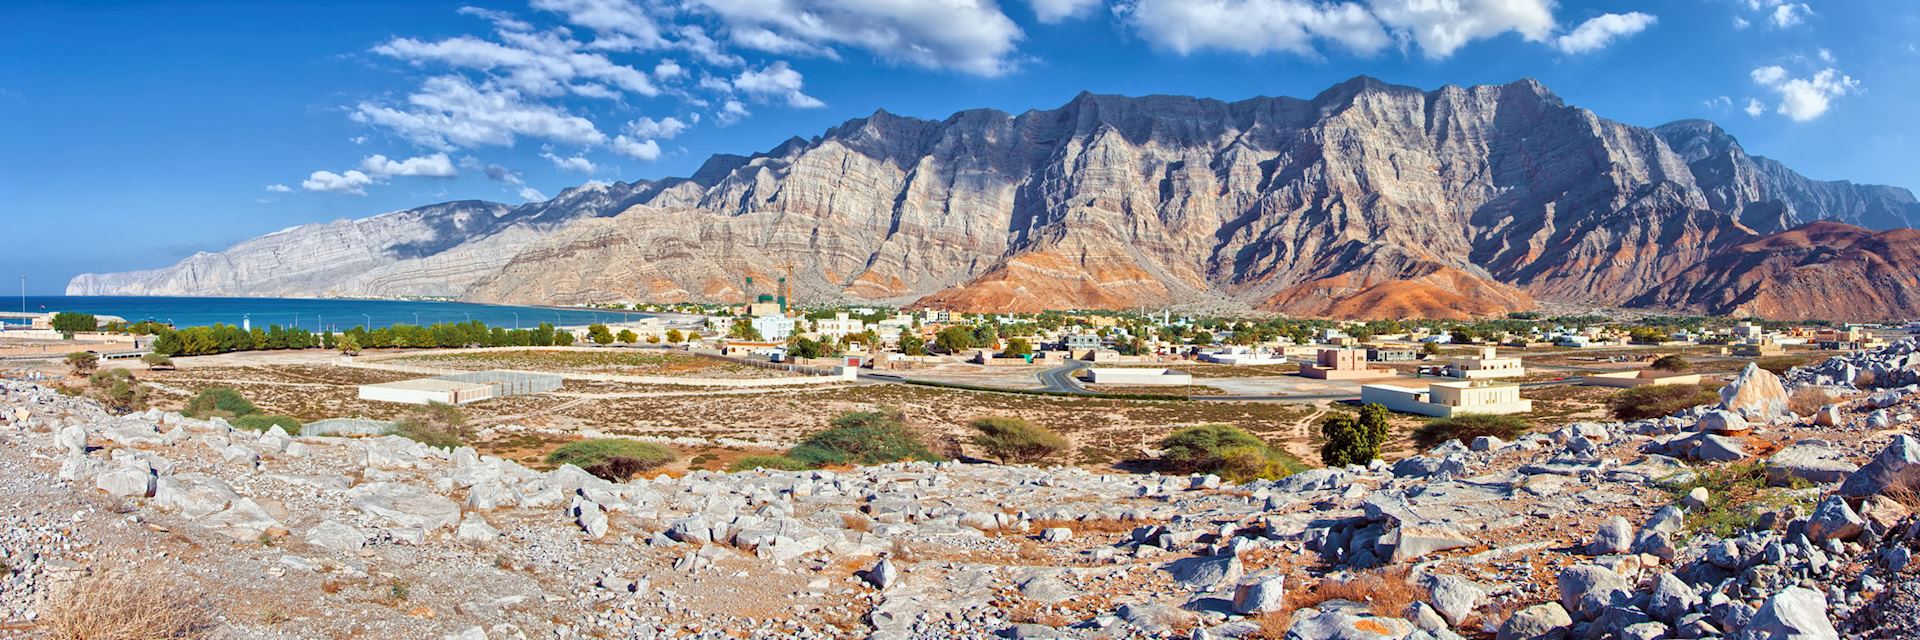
[{"x": 1367, "y": 200}]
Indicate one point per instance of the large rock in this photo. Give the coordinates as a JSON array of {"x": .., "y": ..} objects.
[
  {"x": 1812, "y": 462},
  {"x": 1834, "y": 520},
  {"x": 1206, "y": 573},
  {"x": 126, "y": 482},
  {"x": 1454, "y": 597},
  {"x": 336, "y": 536},
  {"x": 1756, "y": 392},
  {"x": 1587, "y": 590},
  {"x": 194, "y": 495},
  {"x": 1614, "y": 536},
  {"x": 1547, "y": 621},
  {"x": 1671, "y": 598},
  {"x": 243, "y": 520},
  {"x": 1262, "y": 595},
  {"x": 1793, "y": 614},
  {"x": 1896, "y": 465},
  {"x": 405, "y": 505}
]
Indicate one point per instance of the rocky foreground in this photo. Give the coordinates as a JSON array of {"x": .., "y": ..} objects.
[{"x": 1575, "y": 533}]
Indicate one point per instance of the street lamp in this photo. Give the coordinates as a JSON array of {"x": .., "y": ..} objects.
[
  {"x": 516, "y": 320},
  {"x": 369, "y": 320}
]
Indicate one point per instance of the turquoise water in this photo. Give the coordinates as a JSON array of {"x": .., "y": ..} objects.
[{"x": 309, "y": 314}]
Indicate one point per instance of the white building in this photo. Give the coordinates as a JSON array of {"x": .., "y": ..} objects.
[
  {"x": 773, "y": 328},
  {"x": 839, "y": 325},
  {"x": 1448, "y": 399},
  {"x": 1487, "y": 365}
]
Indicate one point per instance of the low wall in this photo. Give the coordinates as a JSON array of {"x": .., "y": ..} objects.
[{"x": 829, "y": 377}]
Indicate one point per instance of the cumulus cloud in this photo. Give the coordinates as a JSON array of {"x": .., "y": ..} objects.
[
  {"x": 970, "y": 36},
  {"x": 1782, "y": 14},
  {"x": 1803, "y": 99},
  {"x": 1755, "y": 107},
  {"x": 351, "y": 181},
  {"x": 570, "y": 163},
  {"x": 531, "y": 194},
  {"x": 433, "y": 166},
  {"x": 1598, "y": 32},
  {"x": 1719, "y": 102},
  {"x": 730, "y": 112},
  {"x": 664, "y": 128},
  {"x": 450, "y": 111},
  {"x": 643, "y": 150},
  {"x": 1052, "y": 11},
  {"x": 1440, "y": 28},
  {"x": 776, "y": 80},
  {"x": 1252, "y": 26},
  {"x": 279, "y": 188}
]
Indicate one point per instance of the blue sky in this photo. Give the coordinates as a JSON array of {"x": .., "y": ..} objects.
[{"x": 139, "y": 132}]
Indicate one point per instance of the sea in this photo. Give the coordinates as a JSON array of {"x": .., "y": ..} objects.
[{"x": 312, "y": 314}]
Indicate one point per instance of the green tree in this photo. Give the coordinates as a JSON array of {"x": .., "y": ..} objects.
[
  {"x": 743, "y": 329},
  {"x": 627, "y": 336},
  {"x": 954, "y": 339},
  {"x": 912, "y": 345},
  {"x": 1346, "y": 442},
  {"x": 599, "y": 334},
  {"x": 156, "y": 360},
  {"x": 675, "y": 337},
  {"x": 1227, "y": 451},
  {"x": 83, "y": 362},
  {"x": 349, "y": 345},
  {"x": 1430, "y": 348},
  {"x": 1017, "y": 348},
  {"x": 563, "y": 338},
  {"x": 1012, "y": 440},
  {"x": 1373, "y": 423},
  {"x": 71, "y": 323}
]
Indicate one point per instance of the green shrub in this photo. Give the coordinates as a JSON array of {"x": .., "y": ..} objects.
[
  {"x": 262, "y": 422},
  {"x": 157, "y": 360},
  {"x": 83, "y": 363},
  {"x": 614, "y": 459},
  {"x": 776, "y": 463},
  {"x": 117, "y": 390},
  {"x": 1466, "y": 427},
  {"x": 1656, "y": 400},
  {"x": 435, "y": 425},
  {"x": 1737, "y": 494},
  {"x": 1672, "y": 362},
  {"x": 863, "y": 437},
  {"x": 1015, "y": 440},
  {"x": 219, "y": 401},
  {"x": 1346, "y": 441},
  {"x": 1227, "y": 451}
]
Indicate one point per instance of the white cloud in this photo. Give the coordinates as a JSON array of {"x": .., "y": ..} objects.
[
  {"x": 669, "y": 70},
  {"x": 570, "y": 163},
  {"x": 776, "y": 80},
  {"x": 351, "y": 181},
  {"x": 1803, "y": 99},
  {"x": 1437, "y": 27},
  {"x": 545, "y": 63},
  {"x": 970, "y": 36},
  {"x": 450, "y": 111},
  {"x": 1789, "y": 14},
  {"x": 644, "y": 150},
  {"x": 1719, "y": 102},
  {"x": 620, "y": 24},
  {"x": 1755, "y": 107},
  {"x": 1741, "y": 23},
  {"x": 433, "y": 166},
  {"x": 664, "y": 128},
  {"x": 531, "y": 194},
  {"x": 1052, "y": 11},
  {"x": 1441, "y": 27},
  {"x": 1826, "y": 56},
  {"x": 279, "y": 188},
  {"x": 1598, "y": 32},
  {"x": 730, "y": 112},
  {"x": 1252, "y": 26}
]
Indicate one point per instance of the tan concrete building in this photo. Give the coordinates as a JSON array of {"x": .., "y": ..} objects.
[
  {"x": 1448, "y": 399},
  {"x": 1489, "y": 364},
  {"x": 1342, "y": 364}
]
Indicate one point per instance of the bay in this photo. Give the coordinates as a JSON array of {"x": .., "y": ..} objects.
[{"x": 313, "y": 314}]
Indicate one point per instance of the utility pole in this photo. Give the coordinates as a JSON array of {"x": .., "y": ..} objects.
[{"x": 23, "y": 294}]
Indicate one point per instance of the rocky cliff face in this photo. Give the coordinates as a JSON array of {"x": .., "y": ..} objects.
[
  {"x": 1813, "y": 272},
  {"x": 1366, "y": 200}
]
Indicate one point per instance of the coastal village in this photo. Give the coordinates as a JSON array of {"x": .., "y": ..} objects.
[{"x": 1773, "y": 501}]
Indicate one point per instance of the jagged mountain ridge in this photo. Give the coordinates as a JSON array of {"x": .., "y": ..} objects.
[{"x": 1366, "y": 199}]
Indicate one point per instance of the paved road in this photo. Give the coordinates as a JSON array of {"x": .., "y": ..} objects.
[{"x": 1061, "y": 378}]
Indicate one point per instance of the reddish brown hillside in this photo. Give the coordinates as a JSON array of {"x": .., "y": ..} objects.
[{"x": 1822, "y": 270}]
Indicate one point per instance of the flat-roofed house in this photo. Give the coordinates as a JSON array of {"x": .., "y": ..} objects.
[
  {"x": 1489, "y": 364},
  {"x": 1342, "y": 364},
  {"x": 1447, "y": 399}
]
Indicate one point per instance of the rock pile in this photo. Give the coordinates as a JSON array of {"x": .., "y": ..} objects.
[
  {"x": 1575, "y": 533},
  {"x": 1894, "y": 365}
]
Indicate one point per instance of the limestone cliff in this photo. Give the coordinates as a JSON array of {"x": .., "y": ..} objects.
[{"x": 1366, "y": 200}]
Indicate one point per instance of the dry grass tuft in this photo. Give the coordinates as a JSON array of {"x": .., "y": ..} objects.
[
  {"x": 1904, "y": 488},
  {"x": 132, "y": 604},
  {"x": 856, "y": 522},
  {"x": 1385, "y": 591},
  {"x": 1808, "y": 401}
]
